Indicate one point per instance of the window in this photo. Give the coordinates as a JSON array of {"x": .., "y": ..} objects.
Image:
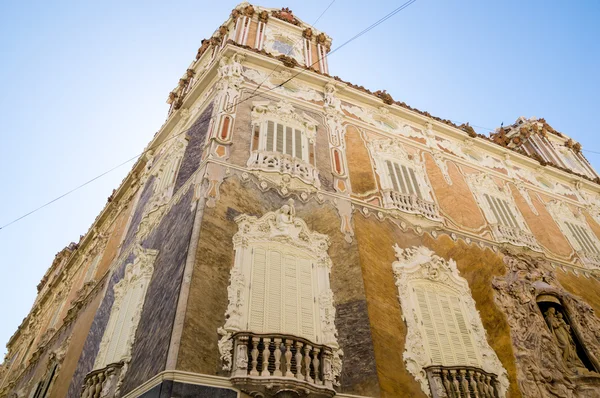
[
  {"x": 277, "y": 137},
  {"x": 500, "y": 210},
  {"x": 41, "y": 389},
  {"x": 577, "y": 231},
  {"x": 280, "y": 282},
  {"x": 283, "y": 141},
  {"x": 167, "y": 167},
  {"x": 403, "y": 179},
  {"x": 129, "y": 294},
  {"x": 444, "y": 330},
  {"x": 91, "y": 271}
]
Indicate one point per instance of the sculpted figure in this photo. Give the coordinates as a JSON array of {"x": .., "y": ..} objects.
[{"x": 562, "y": 332}]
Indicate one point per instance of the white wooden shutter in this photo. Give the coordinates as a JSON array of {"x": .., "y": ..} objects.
[
  {"x": 274, "y": 299},
  {"x": 112, "y": 351},
  {"x": 307, "y": 299},
  {"x": 446, "y": 331},
  {"x": 279, "y": 139},
  {"x": 298, "y": 145},
  {"x": 291, "y": 306},
  {"x": 270, "y": 135},
  {"x": 257, "y": 290}
]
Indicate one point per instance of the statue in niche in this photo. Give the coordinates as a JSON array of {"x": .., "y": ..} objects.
[
  {"x": 285, "y": 216},
  {"x": 562, "y": 332}
]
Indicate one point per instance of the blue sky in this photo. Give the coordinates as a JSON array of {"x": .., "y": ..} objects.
[{"x": 83, "y": 87}]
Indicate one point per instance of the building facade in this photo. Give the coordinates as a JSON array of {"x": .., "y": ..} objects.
[{"x": 290, "y": 234}]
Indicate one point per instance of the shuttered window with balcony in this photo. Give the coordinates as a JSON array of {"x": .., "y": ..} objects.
[
  {"x": 277, "y": 137},
  {"x": 282, "y": 298},
  {"x": 583, "y": 238},
  {"x": 402, "y": 179},
  {"x": 447, "y": 335},
  {"x": 502, "y": 211}
]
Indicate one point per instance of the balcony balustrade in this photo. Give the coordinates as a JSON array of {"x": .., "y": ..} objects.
[
  {"x": 411, "y": 204},
  {"x": 102, "y": 382},
  {"x": 274, "y": 365},
  {"x": 516, "y": 236},
  {"x": 282, "y": 163},
  {"x": 461, "y": 382}
]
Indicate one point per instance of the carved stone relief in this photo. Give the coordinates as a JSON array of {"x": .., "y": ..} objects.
[{"x": 548, "y": 362}]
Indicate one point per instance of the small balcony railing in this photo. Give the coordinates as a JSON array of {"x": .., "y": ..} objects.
[
  {"x": 282, "y": 163},
  {"x": 411, "y": 204},
  {"x": 269, "y": 364},
  {"x": 591, "y": 259},
  {"x": 461, "y": 382},
  {"x": 102, "y": 382},
  {"x": 516, "y": 236}
]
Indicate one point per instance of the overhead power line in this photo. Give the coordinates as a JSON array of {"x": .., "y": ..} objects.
[{"x": 254, "y": 94}]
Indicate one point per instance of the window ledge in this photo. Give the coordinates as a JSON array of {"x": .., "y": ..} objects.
[
  {"x": 411, "y": 204},
  {"x": 267, "y": 364},
  {"x": 282, "y": 163}
]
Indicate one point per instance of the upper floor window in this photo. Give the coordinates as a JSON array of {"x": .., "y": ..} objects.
[
  {"x": 403, "y": 179},
  {"x": 499, "y": 208},
  {"x": 445, "y": 343},
  {"x": 129, "y": 295},
  {"x": 166, "y": 167},
  {"x": 283, "y": 141},
  {"x": 577, "y": 231},
  {"x": 280, "y": 300}
]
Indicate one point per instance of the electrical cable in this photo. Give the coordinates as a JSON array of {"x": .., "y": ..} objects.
[{"x": 254, "y": 94}]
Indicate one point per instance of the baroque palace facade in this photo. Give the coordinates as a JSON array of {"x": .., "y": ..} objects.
[{"x": 290, "y": 234}]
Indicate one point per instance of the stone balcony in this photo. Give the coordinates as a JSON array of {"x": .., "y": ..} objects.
[
  {"x": 102, "y": 382},
  {"x": 516, "y": 236},
  {"x": 410, "y": 204},
  {"x": 276, "y": 365},
  {"x": 286, "y": 164},
  {"x": 461, "y": 382}
]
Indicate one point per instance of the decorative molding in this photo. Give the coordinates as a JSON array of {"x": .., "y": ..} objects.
[
  {"x": 274, "y": 35},
  {"x": 273, "y": 81},
  {"x": 421, "y": 265}
]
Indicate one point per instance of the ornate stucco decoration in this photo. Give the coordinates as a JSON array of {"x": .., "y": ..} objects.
[
  {"x": 381, "y": 119},
  {"x": 278, "y": 83},
  {"x": 498, "y": 206},
  {"x": 575, "y": 227},
  {"x": 278, "y": 165},
  {"x": 280, "y": 41},
  {"x": 390, "y": 150},
  {"x": 419, "y": 266},
  {"x": 136, "y": 278},
  {"x": 543, "y": 367},
  {"x": 277, "y": 227}
]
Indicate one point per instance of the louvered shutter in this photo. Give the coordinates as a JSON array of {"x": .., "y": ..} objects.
[
  {"x": 118, "y": 327},
  {"x": 279, "y": 138},
  {"x": 127, "y": 329},
  {"x": 257, "y": 290},
  {"x": 446, "y": 331},
  {"x": 291, "y": 306},
  {"x": 289, "y": 141},
  {"x": 274, "y": 294},
  {"x": 270, "y": 136},
  {"x": 307, "y": 299},
  {"x": 298, "y": 146}
]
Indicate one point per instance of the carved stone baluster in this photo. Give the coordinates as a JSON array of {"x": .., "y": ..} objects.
[
  {"x": 327, "y": 368},
  {"x": 490, "y": 386},
  {"x": 316, "y": 363},
  {"x": 307, "y": 350},
  {"x": 299, "y": 360},
  {"x": 288, "y": 358},
  {"x": 473, "y": 377},
  {"x": 481, "y": 385},
  {"x": 254, "y": 371},
  {"x": 277, "y": 354},
  {"x": 447, "y": 383},
  {"x": 464, "y": 383},
  {"x": 266, "y": 354},
  {"x": 455, "y": 383}
]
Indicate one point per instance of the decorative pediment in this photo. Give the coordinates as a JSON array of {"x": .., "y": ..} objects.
[
  {"x": 282, "y": 225},
  {"x": 483, "y": 183},
  {"x": 561, "y": 210},
  {"x": 142, "y": 267},
  {"x": 391, "y": 148}
]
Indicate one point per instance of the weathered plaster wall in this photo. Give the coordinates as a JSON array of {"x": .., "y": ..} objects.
[
  {"x": 153, "y": 334},
  {"x": 543, "y": 226},
  {"x": 112, "y": 245},
  {"x": 477, "y": 266},
  {"x": 214, "y": 257},
  {"x": 586, "y": 288},
  {"x": 456, "y": 200},
  {"x": 360, "y": 166},
  {"x": 193, "y": 152}
]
